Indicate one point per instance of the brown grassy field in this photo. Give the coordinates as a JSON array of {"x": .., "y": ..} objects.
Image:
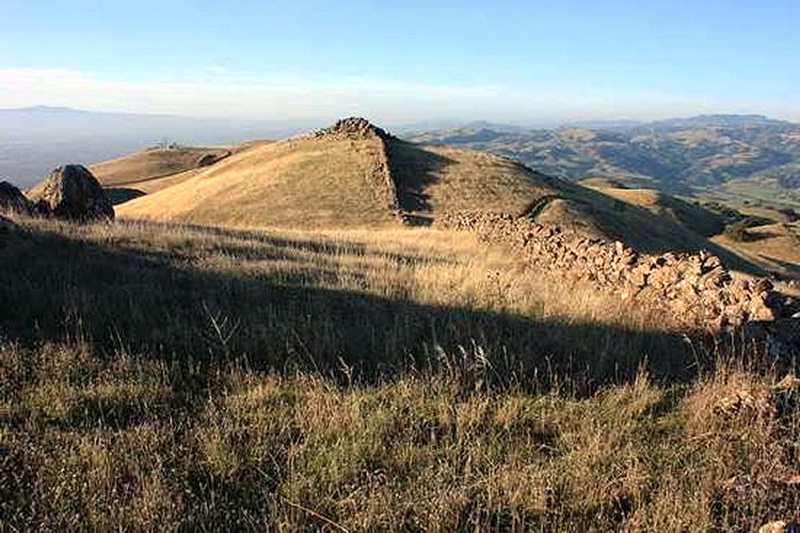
[
  {"x": 294, "y": 183},
  {"x": 152, "y": 164},
  {"x": 328, "y": 182},
  {"x": 693, "y": 217},
  {"x": 191, "y": 378},
  {"x": 776, "y": 247}
]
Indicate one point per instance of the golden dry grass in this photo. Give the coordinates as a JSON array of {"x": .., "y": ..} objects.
[
  {"x": 192, "y": 378},
  {"x": 303, "y": 182},
  {"x": 447, "y": 179},
  {"x": 151, "y": 164},
  {"x": 776, "y": 247}
]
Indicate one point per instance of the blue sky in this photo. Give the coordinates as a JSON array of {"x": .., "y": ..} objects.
[{"x": 507, "y": 60}]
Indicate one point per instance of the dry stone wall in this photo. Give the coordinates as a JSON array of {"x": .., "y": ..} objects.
[
  {"x": 380, "y": 178},
  {"x": 696, "y": 288}
]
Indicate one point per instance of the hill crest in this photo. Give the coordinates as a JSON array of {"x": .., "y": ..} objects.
[{"x": 356, "y": 175}]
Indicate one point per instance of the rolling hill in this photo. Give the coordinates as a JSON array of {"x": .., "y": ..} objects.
[
  {"x": 154, "y": 163},
  {"x": 354, "y": 174},
  {"x": 150, "y": 170},
  {"x": 380, "y": 377},
  {"x": 726, "y": 157},
  {"x": 771, "y": 239}
]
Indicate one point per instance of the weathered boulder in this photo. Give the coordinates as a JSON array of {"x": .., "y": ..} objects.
[
  {"x": 71, "y": 192},
  {"x": 13, "y": 201}
]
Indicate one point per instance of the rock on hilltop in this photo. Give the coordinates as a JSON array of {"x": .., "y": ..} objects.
[{"x": 353, "y": 128}]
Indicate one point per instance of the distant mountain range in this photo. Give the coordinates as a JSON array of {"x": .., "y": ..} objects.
[{"x": 743, "y": 157}]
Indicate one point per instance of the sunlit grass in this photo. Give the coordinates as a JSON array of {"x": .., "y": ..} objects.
[{"x": 175, "y": 377}]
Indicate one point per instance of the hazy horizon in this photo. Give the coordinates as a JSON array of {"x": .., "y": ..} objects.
[{"x": 309, "y": 123}]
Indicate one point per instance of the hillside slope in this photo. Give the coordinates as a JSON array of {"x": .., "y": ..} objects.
[
  {"x": 694, "y": 217},
  {"x": 727, "y": 157},
  {"x": 352, "y": 174},
  {"x": 356, "y": 175},
  {"x": 311, "y": 182},
  {"x": 771, "y": 243},
  {"x": 155, "y": 163}
]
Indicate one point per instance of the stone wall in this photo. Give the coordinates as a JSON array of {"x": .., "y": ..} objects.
[
  {"x": 380, "y": 177},
  {"x": 696, "y": 288}
]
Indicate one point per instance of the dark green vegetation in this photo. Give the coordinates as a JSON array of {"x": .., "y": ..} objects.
[
  {"x": 733, "y": 158},
  {"x": 185, "y": 378}
]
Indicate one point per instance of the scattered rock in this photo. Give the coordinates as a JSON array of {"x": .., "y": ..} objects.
[
  {"x": 71, "y": 192},
  {"x": 780, "y": 526},
  {"x": 13, "y": 201},
  {"x": 744, "y": 401}
]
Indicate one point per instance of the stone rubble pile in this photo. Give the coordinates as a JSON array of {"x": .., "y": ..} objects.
[
  {"x": 696, "y": 288},
  {"x": 353, "y": 128}
]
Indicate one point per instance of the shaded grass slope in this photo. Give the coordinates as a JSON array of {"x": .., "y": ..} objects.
[
  {"x": 188, "y": 378},
  {"x": 203, "y": 293}
]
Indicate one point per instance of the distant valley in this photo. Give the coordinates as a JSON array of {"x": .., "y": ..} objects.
[
  {"x": 35, "y": 140},
  {"x": 747, "y": 159}
]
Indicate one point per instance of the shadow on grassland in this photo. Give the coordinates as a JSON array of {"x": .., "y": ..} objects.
[{"x": 55, "y": 287}]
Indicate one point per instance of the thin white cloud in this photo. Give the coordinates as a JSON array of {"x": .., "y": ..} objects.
[{"x": 380, "y": 100}]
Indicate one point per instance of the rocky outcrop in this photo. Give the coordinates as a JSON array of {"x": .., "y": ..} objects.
[
  {"x": 696, "y": 288},
  {"x": 353, "y": 128},
  {"x": 71, "y": 192},
  {"x": 13, "y": 201}
]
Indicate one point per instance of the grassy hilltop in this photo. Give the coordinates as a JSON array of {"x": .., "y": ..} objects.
[{"x": 278, "y": 371}]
